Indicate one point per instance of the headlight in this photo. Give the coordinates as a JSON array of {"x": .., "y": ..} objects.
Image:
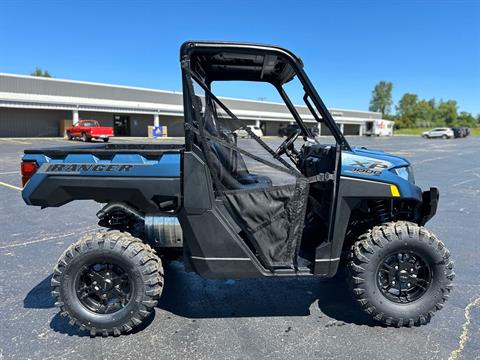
[{"x": 405, "y": 172}]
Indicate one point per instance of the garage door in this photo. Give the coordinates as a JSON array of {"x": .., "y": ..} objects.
[
  {"x": 349, "y": 129},
  {"x": 31, "y": 122}
]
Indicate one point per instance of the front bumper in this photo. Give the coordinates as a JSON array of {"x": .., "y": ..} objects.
[{"x": 429, "y": 204}]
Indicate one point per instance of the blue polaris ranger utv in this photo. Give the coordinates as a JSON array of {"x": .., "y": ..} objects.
[{"x": 235, "y": 208}]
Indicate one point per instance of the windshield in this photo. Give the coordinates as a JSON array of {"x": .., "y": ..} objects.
[
  {"x": 276, "y": 115},
  {"x": 89, "y": 123}
]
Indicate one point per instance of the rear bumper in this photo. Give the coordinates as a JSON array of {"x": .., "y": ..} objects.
[{"x": 429, "y": 204}]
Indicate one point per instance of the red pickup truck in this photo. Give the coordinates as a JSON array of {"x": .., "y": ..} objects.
[{"x": 86, "y": 130}]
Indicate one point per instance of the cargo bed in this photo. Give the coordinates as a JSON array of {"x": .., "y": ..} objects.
[
  {"x": 148, "y": 176},
  {"x": 109, "y": 150}
]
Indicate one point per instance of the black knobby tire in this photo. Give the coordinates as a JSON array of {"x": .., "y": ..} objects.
[
  {"x": 368, "y": 254},
  {"x": 139, "y": 262}
]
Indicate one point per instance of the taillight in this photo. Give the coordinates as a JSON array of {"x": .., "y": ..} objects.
[{"x": 28, "y": 169}]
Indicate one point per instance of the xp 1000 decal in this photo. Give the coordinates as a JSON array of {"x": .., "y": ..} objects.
[{"x": 364, "y": 165}]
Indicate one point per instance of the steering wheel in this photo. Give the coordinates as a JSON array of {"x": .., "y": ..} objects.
[{"x": 287, "y": 146}]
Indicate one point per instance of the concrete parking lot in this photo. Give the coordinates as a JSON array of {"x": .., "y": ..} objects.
[{"x": 247, "y": 319}]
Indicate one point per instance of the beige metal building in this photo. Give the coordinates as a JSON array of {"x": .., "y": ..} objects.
[{"x": 38, "y": 107}]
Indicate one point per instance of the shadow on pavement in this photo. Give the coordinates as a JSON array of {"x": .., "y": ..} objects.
[
  {"x": 61, "y": 325},
  {"x": 40, "y": 296},
  {"x": 188, "y": 295}
]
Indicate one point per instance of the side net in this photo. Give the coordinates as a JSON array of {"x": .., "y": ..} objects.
[{"x": 264, "y": 194}]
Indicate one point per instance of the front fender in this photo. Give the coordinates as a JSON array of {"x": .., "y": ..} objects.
[
  {"x": 429, "y": 204},
  {"x": 351, "y": 191}
]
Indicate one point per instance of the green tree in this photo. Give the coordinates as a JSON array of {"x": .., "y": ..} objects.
[
  {"x": 466, "y": 119},
  {"x": 406, "y": 109},
  {"x": 414, "y": 112},
  {"x": 447, "y": 112},
  {"x": 381, "y": 100},
  {"x": 42, "y": 73},
  {"x": 424, "y": 114}
]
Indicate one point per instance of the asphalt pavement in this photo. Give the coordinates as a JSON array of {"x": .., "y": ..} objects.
[{"x": 240, "y": 319}]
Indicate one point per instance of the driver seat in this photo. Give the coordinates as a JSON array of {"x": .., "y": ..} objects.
[{"x": 230, "y": 166}]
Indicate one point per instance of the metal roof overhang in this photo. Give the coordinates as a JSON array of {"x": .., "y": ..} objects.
[{"x": 52, "y": 102}]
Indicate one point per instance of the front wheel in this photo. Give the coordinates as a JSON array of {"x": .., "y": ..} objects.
[
  {"x": 107, "y": 282},
  {"x": 444, "y": 137},
  {"x": 105, "y": 139},
  {"x": 400, "y": 273}
]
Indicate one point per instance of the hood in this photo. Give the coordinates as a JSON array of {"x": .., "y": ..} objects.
[
  {"x": 381, "y": 155},
  {"x": 370, "y": 162}
]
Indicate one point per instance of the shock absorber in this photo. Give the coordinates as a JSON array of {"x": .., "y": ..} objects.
[{"x": 381, "y": 210}]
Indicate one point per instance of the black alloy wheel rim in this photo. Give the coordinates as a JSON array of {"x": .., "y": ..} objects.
[
  {"x": 404, "y": 277},
  {"x": 104, "y": 288}
]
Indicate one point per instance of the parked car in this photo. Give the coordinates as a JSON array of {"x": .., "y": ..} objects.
[
  {"x": 293, "y": 128},
  {"x": 288, "y": 130},
  {"x": 86, "y": 130},
  {"x": 443, "y": 133},
  {"x": 466, "y": 130},
  {"x": 244, "y": 134},
  {"x": 343, "y": 207},
  {"x": 459, "y": 132}
]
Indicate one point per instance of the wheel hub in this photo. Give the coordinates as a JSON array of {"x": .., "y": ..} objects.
[
  {"x": 103, "y": 288},
  {"x": 403, "y": 277}
]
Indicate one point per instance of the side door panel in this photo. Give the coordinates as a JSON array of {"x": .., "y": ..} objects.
[{"x": 213, "y": 246}]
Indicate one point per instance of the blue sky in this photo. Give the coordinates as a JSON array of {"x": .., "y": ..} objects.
[{"x": 431, "y": 48}]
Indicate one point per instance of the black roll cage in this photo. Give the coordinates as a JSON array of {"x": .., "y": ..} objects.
[{"x": 223, "y": 66}]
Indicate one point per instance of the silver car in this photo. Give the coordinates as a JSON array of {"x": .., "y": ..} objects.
[{"x": 443, "y": 133}]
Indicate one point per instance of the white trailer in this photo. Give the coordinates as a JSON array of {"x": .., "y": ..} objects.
[{"x": 378, "y": 127}]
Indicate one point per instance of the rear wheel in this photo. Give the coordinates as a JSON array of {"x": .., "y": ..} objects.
[
  {"x": 400, "y": 273},
  {"x": 444, "y": 137},
  {"x": 107, "y": 282},
  {"x": 69, "y": 136},
  {"x": 84, "y": 137},
  {"x": 105, "y": 139}
]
